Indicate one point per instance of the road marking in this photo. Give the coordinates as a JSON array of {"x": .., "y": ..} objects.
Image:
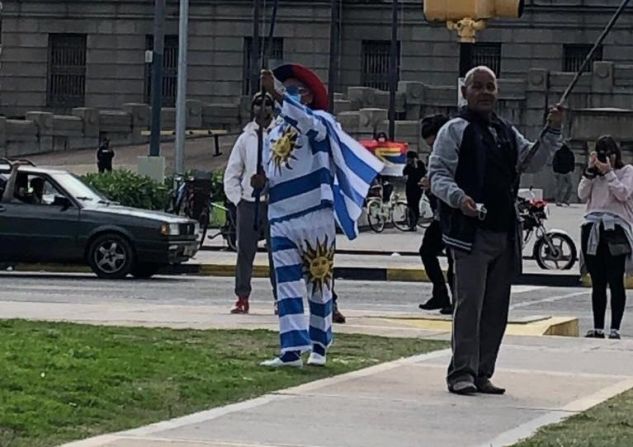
[{"x": 550, "y": 299}]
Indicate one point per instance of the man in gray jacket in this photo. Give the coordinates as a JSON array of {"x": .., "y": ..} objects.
[{"x": 474, "y": 172}]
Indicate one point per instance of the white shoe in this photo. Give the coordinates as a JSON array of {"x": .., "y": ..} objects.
[
  {"x": 316, "y": 359},
  {"x": 278, "y": 363}
]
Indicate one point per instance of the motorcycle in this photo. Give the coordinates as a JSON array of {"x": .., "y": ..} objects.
[{"x": 553, "y": 249}]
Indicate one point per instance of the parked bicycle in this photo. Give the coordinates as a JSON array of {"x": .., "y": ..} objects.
[
  {"x": 384, "y": 206},
  {"x": 194, "y": 198}
]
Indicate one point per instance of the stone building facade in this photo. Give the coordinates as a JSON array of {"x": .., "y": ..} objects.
[{"x": 60, "y": 54}]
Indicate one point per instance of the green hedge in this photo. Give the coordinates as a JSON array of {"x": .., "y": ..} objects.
[{"x": 129, "y": 189}]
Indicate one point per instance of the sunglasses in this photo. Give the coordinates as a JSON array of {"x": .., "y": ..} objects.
[{"x": 260, "y": 102}]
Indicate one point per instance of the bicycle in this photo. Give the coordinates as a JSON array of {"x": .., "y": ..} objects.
[
  {"x": 194, "y": 198},
  {"x": 384, "y": 206},
  {"x": 211, "y": 219}
]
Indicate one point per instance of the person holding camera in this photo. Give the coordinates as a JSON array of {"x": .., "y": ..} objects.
[
  {"x": 415, "y": 171},
  {"x": 474, "y": 172},
  {"x": 607, "y": 232}
]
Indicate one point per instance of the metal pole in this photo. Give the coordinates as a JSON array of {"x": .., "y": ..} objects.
[
  {"x": 393, "y": 70},
  {"x": 535, "y": 147},
  {"x": 335, "y": 22},
  {"x": 181, "y": 99},
  {"x": 157, "y": 75},
  {"x": 260, "y": 128},
  {"x": 255, "y": 48}
]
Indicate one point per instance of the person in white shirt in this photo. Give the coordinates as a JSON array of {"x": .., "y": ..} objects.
[{"x": 242, "y": 165}]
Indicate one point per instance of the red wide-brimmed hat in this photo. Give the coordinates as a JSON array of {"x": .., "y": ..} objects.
[{"x": 309, "y": 79}]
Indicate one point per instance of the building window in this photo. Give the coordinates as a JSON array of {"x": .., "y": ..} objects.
[
  {"x": 575, "y": 54},
  {"x": 488, "y": 54},
  {"x": 170, "y": 71},
  {"x": 375, "y": 60},
  {"x": 276, "y": 57},
  {"x": 66, "y": 70}
]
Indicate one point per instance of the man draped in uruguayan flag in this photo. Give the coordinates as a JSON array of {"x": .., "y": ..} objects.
[{"x": 316, "y": 176}]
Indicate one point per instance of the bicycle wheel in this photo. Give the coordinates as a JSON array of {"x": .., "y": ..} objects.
[
  {"x": 375, "y": 218},
  {"x": 400, "y": 216}
]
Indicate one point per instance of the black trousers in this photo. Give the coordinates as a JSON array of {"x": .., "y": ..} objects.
[
  {"x": 432, "y": 246},
  {"x": 413, "y": 203},
  {"x": 605, "y": 269}
]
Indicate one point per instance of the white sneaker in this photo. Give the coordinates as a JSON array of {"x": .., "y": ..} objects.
[
  {"x": 316, "y": 359},
  {"x": 278, "y": 363}
]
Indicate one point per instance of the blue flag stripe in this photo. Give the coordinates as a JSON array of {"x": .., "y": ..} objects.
[{"x": 300, "y": 185}]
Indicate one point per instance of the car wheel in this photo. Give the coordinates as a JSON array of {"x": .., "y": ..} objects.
[
  {"x": 145, "y": 271},
  {"x": 111, "y": 256}
]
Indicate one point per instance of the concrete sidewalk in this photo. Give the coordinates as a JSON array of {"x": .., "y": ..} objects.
[{"x": 405, "y": 403}]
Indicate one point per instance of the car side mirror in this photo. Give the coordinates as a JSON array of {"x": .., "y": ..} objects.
[{"x": 63, "y": 202}]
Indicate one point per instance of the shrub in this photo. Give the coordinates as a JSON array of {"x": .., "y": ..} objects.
[{"x": 129, "y": 189}]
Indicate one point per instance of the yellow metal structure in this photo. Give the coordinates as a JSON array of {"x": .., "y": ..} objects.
[{"x": 469, "y": 16}]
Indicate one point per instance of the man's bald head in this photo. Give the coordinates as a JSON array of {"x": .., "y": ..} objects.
[
  {"x": 480, "y": 90},
  {"x": 481, "y": 68}
]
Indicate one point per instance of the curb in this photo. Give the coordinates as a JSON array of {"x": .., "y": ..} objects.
[{"x": 346, "y": 273}]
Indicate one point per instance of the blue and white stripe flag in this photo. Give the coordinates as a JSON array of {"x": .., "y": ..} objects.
[{"x": 356, "y": 169}]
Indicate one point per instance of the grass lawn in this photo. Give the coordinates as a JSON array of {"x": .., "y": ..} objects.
[
  {"x": 61, "y": 382},
  {"x": 609, "y": 424}
]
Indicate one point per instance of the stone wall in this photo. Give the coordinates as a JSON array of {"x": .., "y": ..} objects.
[
  {"x": 42, "y": 132},
  {"x": 116, "y": 32},
  {"x": 602, "y": 103}
]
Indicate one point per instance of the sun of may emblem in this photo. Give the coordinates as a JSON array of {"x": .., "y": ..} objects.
[
  {"x": 283, "y": 149},
  {"x": 319, "y": 263}
]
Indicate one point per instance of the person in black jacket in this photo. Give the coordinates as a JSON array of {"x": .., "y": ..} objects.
[
  {"x": 432, "y": 244},
  {"x": 563, "y": 165},
  {"x": 474, "y": 172},
  {"x": 104, "y": 156},
  {"x": 415, "y": 171}
]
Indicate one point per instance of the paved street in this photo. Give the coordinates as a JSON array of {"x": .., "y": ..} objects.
[{"x": 204, "y": 302}]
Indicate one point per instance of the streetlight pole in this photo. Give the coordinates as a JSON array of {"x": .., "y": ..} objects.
[
  {"x": 335, "y": 30},
  {"x": 393, "y": 70},
  {"x": 157, "y": 75},
  {"x": 255, "y": 48},
  {"x": 181, "y": 99}
]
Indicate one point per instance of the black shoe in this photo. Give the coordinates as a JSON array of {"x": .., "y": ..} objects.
[
  {"x": 448, "y": 310},
  {"x": 463, "y": 387},
  {"x": 486, "y": 387},
  {"x": 338, "y": 317},
  {"x": 435, "y": 304},
  {"x": 614, "y": 335},
  {"x": 594, "y": 334}
]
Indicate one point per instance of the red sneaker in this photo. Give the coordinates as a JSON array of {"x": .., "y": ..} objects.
[{"x": 241, "y": 306}]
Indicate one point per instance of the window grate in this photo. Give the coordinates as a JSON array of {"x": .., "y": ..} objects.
[
  {"x": 375, "y": 60},
  {"x": 488, "y": 54},
  {"x": 66, "y": 70},
  {"x": 170, "y": 71},
  {"x": 575, "y": 54},
  {"x": 276, "y": 57}
]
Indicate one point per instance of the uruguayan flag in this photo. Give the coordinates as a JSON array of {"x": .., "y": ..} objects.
[
  {"x": 356, "y": 169},
  {"x": 317, "y": 166}
]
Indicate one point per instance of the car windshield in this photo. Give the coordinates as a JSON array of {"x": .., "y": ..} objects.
[{"x": 78, "y": 189}]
